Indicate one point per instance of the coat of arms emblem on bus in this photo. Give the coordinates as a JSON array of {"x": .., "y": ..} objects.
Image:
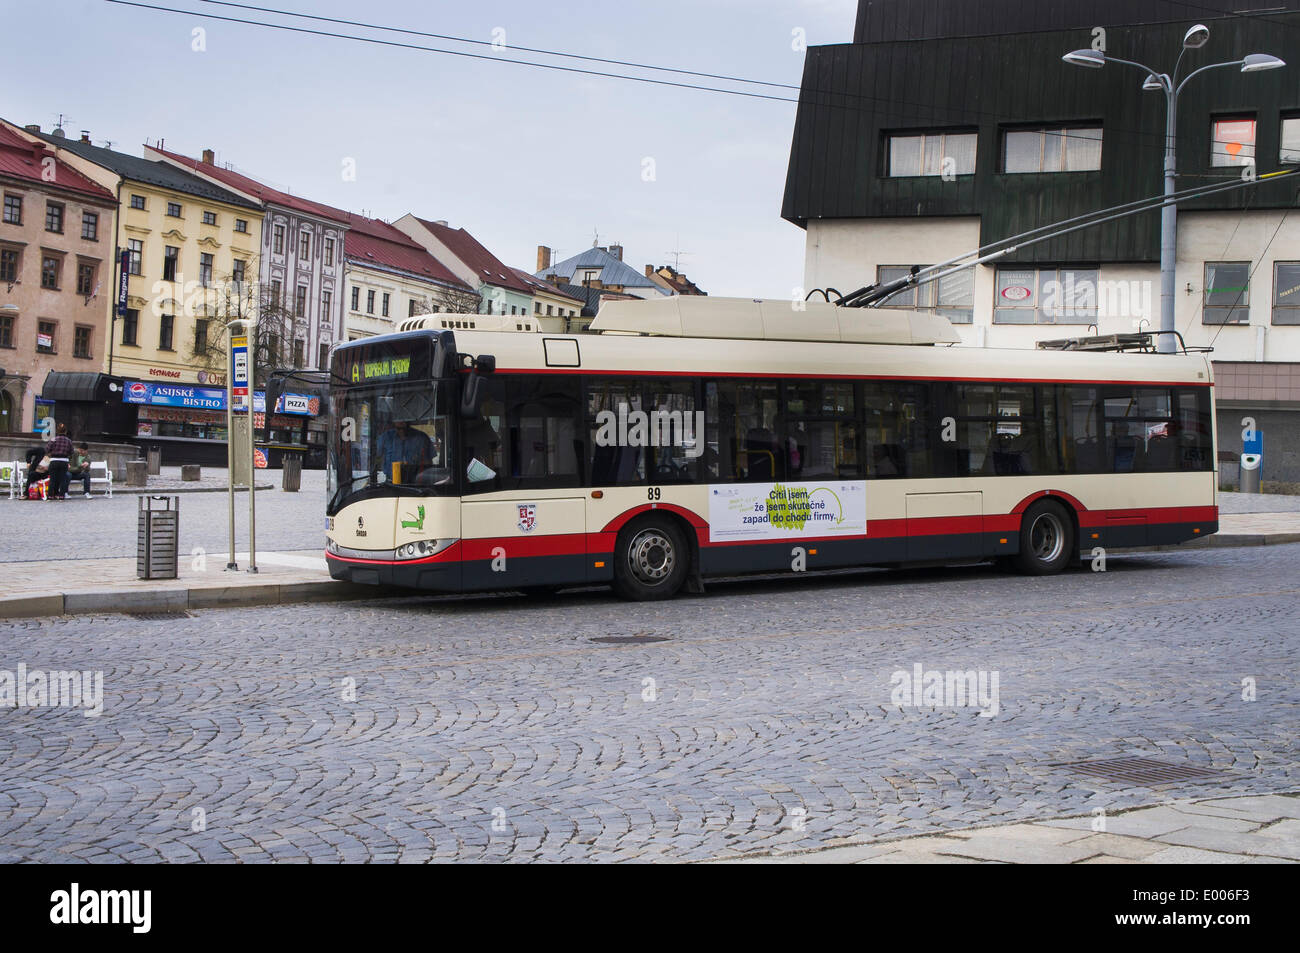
[{"x": 527, "y": 516}]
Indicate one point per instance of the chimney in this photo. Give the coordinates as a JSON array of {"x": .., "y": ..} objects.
[
  {"x": 543, "y": 258},
  {"x": 33, "y": 127},
  {"x": 649, "y": 270},
  {"x": 85, "y": 135},
  {"x": 442, "y": 222},
  {"x": 209, "y": 157},
  {"x": 616, "y": 251}
]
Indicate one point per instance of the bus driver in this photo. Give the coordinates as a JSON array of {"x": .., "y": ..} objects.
[{"x": 403, "y": 451}]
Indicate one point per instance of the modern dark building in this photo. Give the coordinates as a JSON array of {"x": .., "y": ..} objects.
[{"x": 946, "y": 125}]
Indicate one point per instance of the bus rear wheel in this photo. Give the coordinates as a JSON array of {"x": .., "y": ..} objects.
[
  {"x": 1046, "y": 539},
  {"x": 651, "y": 560}
]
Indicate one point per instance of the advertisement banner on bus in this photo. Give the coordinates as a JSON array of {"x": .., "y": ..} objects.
[{"x": 750, "y": 511}]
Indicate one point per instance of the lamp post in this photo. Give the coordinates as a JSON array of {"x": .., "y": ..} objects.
[{"x": 1195, "y": 38}]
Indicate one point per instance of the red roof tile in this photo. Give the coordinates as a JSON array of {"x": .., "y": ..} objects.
[
  {"x": 486, "y": 266},
  {"x": 23, "y": 159},
  {"x": 369, "y": 240},
  {"x": 242, "y": 183}
]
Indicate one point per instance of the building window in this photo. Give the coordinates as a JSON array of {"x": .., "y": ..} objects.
[
  {"x": 135, "y": 255},
  {"x": 45, "y": 334},
  {"x": 329, "y": 251},
  {"x": 209, "y": 218},
  {"x": 931, "y": 153},
  {"x": 90, "y": 226},
  {"x": 1233, "y": 141},
  {"x": 356, "y": 298},
  {"x": 9, "y": 265},
  {"x": 166, "y": 325},
  {"x": 275, "y": 293},
  {"x": 370, "y": 301},
  {"x": 1227, "y": 293},
  {"x": 384, "y": 305},
  {"x": 130, "y": 325},
  {"x": 174, "y": 209},
  {"x": 304, "y": 245},
  {"x": 1046, "y": 296},
  {"x": 410, "y": 308},
  {"x": 13, "y": 209},
  {"x": 6, "y": 331},
  {"x": 241, "y": 225},
  {"x": 548, "y": 310},
  {"x": 81, "y": 342},
  {"x": 205, "y": 269},
  {"x": 137, "y": 201},
  {"x": 323, "y": 355},
  {"x": 171, "y": 254},
  {"x": 85, "y": 278},
  {"x": 299, "y": 352},
  {"x": 326, "y": 300},
  {"x": 952, "y": 297},
  {"x": 300, "y": 301},
  {"x": 537, "y": 307},
  {"x": 54, "y": 217},
  {"x": 1289, "y": 153},
  {"x": 1286, "y": 292},
  {"x": 1052, "y": 149},
  {"x": 238, "y": 272},
  {"x": 51, "y": 265},
  {"x": 200, "y": 336},
  {"x": 277, "y": 240}
]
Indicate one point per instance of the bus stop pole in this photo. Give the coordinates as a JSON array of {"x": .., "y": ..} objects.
[
  {"x": 252, "y": 458},
  {"x": 230, "y": 443}
]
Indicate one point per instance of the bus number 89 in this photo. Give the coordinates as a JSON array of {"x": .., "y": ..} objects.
[{"x": 652, "y": 493}]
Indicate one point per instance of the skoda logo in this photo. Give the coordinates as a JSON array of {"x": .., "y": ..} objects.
[{"x": 360, "y": 523}]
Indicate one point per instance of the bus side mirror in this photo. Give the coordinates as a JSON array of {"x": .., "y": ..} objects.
[
  {"x": 485, "y": 364},
  {"x": 274, "y": 388}
]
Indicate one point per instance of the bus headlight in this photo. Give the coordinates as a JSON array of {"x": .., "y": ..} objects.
[{"x": 423, "y": 548}]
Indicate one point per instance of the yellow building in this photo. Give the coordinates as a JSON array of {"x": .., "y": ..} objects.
[{"x": 192, "y": 246}]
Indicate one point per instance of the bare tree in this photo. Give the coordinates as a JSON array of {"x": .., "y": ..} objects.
[
  {"x": 234, "y": 298},
  {"x": 447, "y": 299}
]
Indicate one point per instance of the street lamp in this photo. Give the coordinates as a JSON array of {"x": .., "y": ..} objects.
[{"x": 1193, "y": 39}]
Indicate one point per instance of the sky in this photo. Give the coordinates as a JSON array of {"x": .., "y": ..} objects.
[{"x": 520, "y": 157}]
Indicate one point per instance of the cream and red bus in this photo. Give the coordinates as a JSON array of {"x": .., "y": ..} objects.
[{"x": 691, "y": 437}]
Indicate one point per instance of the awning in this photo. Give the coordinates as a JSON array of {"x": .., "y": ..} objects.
[{"x": 80, "y": 386}]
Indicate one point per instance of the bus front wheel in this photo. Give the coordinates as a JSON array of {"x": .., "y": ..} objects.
[
  {"x": 1046, "y": 539},
  {"x": 652, "y": 560}
]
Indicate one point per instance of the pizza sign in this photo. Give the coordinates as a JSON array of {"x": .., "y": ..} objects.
[{"x": 1016, "y": 293}]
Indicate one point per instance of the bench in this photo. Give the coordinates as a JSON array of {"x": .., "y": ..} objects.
[
  {"x": 100, "y": 475},
  {"x": 16, "y": 474}
]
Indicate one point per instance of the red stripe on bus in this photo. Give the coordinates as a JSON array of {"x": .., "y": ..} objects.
[{"x": 566, "y": 544}]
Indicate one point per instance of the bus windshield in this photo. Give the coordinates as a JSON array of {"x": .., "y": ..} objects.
[{"x": 390, "y": 438}]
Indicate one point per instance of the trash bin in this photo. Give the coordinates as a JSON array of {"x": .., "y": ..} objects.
[
  {"x": 291, "y": 472},
  {"x": 155, "y": 461},
  {"x": 157, "y": 537},
  {"x": 1250, "y": 472}
]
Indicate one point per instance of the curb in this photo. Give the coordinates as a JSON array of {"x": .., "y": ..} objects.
[
  {"x": 173, "y": 600},
  {"x": 147, "y": 491}
]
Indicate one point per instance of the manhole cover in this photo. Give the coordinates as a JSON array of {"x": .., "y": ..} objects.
[
  {"x": 640, "y": 638},
  {"x": 1144, "y": 771},
  {"x": 160, "y": 616}
]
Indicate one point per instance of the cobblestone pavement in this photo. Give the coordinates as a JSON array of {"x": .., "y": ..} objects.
[
  {"x": 77, "y": 528},
  {"x": 495, "y": 728}
]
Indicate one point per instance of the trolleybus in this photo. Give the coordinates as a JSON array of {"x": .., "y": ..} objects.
[{"x": 691, "y": 437}]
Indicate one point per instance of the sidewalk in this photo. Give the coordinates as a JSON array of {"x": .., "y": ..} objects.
[
  {"x": 1245, "y": 829},
  {"x": 63, "y": 586}
]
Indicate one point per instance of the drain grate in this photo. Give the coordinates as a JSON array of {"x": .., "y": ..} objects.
[
  {"x": 1144, "y": 771},
  {"x": 641, "y": 638},
  {"x": 160, "y": 616}
]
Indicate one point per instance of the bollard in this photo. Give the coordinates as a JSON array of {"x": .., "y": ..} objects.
[
  {"x": 190, "y": 473},
  {"x": 291, "y": 472},
  {"x": 157, "y": 537},
  {"x": 137, "y": 473},
  {"x": 155, "y": 461},
  {"x": 1250, "y": 472}
]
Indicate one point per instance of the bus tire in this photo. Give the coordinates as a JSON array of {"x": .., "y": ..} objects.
[
  {"x": 651, "y": 560},
  {"x": 1046, "y": 539}
]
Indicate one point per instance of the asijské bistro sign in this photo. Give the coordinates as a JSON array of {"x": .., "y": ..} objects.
[{"x": 211, "y": 398}]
